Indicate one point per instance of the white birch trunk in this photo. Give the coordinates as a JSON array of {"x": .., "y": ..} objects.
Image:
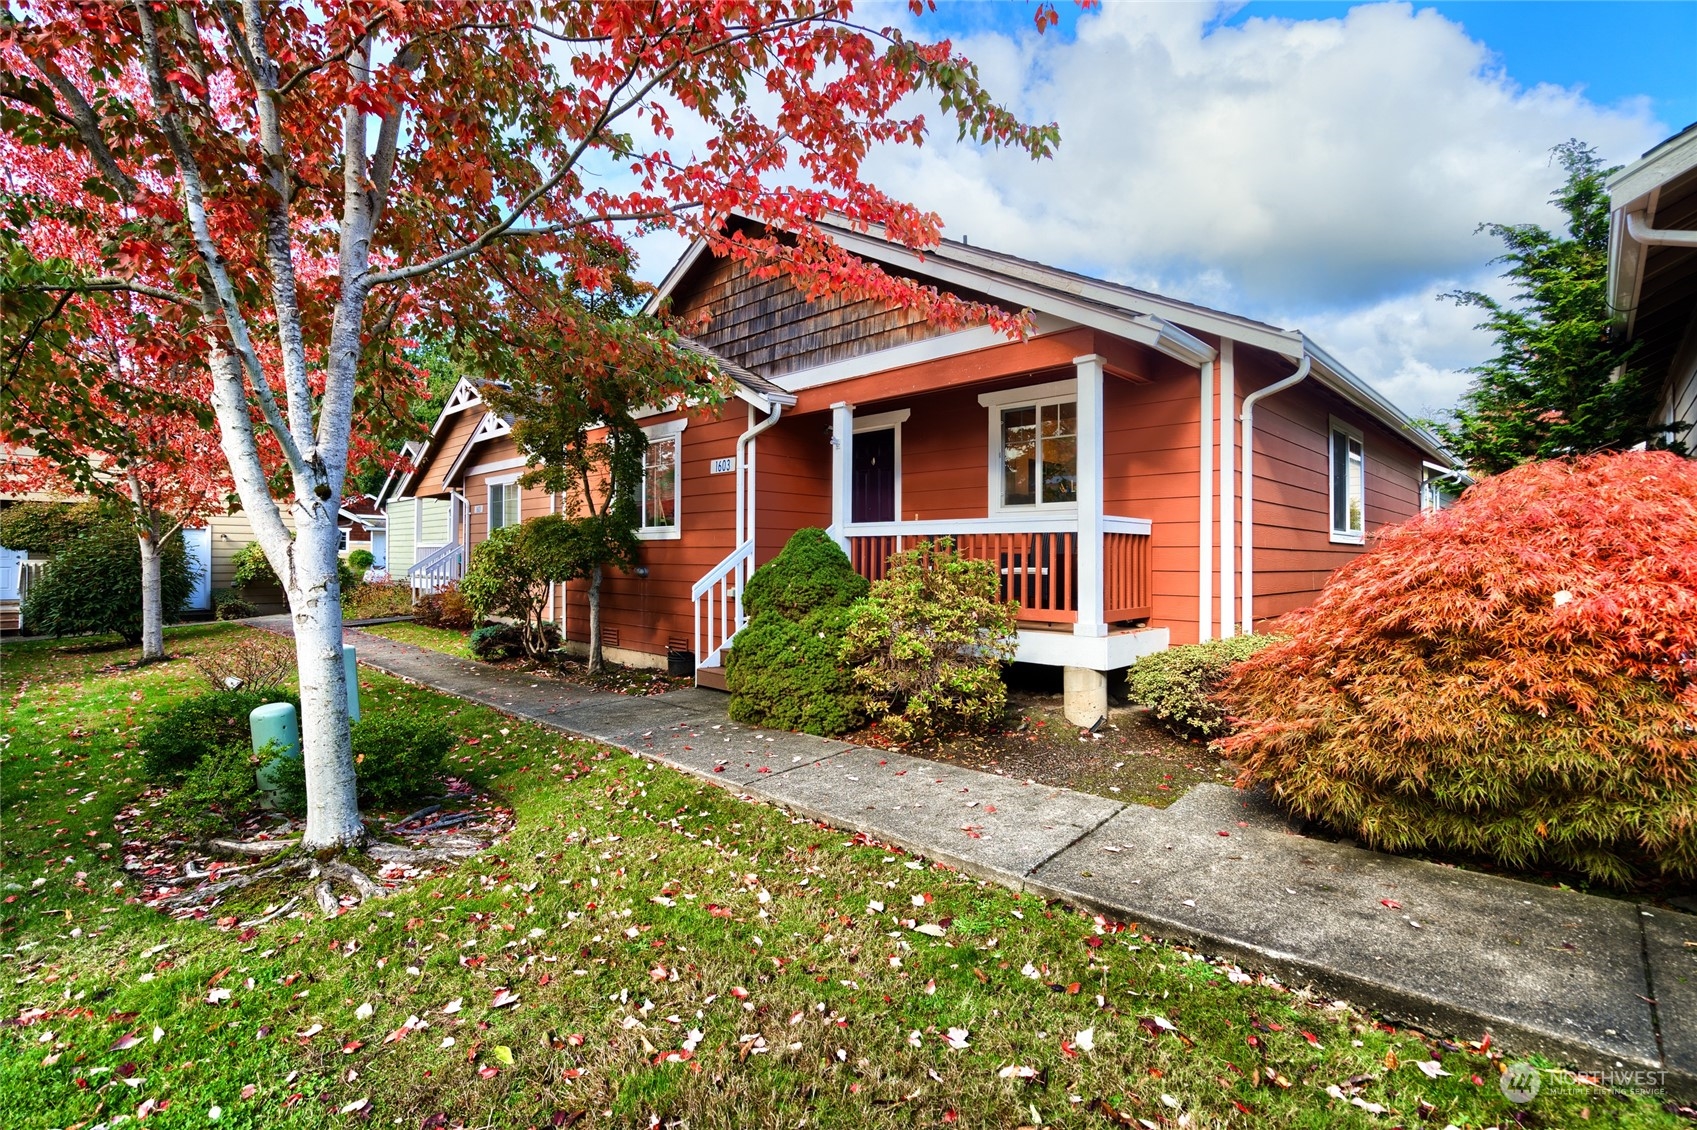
[
  {"x": 152, "y": 600},
  {"x": 315, "y": 605}
]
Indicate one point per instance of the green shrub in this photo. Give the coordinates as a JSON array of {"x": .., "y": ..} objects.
[
  {"x": 376, "y": 599},
  {"x": 1179, "y": 685},
  {"x": 810, "y": 573},
  {"x": 783, "y": 670},
  {"x": 497, "y": 641},
  {"x": 1510, "y": 678},
  {"x": 93, "y": 584},
  {"x": 216, "y": 793},
  {"x": 786, "y": 674},
  {"x": 252, "y": 567},
  {"x": 44, "y": 527},
  {"x": 227, "y": 604},
  {"x": 175, "y": 740},
  {"x": 395, "y": 759},
  {"x": 928, "y": 643},
  {"x": 360, "y": 560},
  {"x": 515, "y": 569}
]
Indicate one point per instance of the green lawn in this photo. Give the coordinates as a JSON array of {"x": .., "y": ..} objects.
[
  {"x": 670, "y": 953},
  {"x": 449, "y": 641}
]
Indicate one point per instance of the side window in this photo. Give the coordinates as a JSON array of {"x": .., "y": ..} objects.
[
  {"x": 660, "y": 484},
  {"x": 503, "y": 505},
  {"x": 1349, "y": 484},
  {"x": 1040, "y": 454},
  {"x": 660, "y": 502}
]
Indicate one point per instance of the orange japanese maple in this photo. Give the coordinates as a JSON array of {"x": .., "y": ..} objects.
[
  {"x": 414, "y": 149},
  {"x": 1514, "y": 677}
]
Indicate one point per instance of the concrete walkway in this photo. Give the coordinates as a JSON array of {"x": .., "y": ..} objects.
[{"x": 1600, "y": 984}]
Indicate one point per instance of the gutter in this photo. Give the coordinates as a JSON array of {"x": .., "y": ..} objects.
[
  {"x": 1249, "y": 403},
  {"x": 1640, "y": 230}
]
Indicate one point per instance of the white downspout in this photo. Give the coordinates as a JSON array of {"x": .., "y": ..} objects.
[
  {"x": 745, "y": 479},
  {"x": 1249, "y": 403},
  {"x": 1228, "y": 452},
  {"x": 1205, "y": 511}
]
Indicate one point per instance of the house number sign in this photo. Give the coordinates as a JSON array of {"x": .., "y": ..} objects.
[{"x": 724, "y": 466}]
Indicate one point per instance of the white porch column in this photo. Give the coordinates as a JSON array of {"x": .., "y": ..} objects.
[
  {"x": 842, "y": 454},
  {"x": 1090, "y": 573}
]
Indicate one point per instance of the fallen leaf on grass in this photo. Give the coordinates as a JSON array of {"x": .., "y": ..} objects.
[
  {"x": 1431, "y": 1068},
  {"x": 1017, "y": 1071},
  {"x": 356, "y": 1105},
  {"x": 957, "y": 1038},
  {"x": 364, "y": 1011},
  {"x": 503, "y": 999},
  {"x": 503, "y": 1053},
  {"x": 125, "y": 1042}
]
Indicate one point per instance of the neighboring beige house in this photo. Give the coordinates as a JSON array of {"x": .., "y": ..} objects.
[{"x": 1653, "y": 271}]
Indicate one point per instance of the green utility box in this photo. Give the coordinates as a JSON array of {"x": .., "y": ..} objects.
[
  {"x": 350, "y": 668},
  {"x": 274, "y": 722}
]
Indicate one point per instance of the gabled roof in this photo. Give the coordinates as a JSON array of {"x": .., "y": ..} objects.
[{"x": 1165, "y": 324}]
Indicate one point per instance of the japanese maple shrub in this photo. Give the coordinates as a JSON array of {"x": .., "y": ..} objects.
[
  {"x": 1511, "y": 678},
  {"x": 784, "y": 668},
  {"x": 928, "y": 643}
]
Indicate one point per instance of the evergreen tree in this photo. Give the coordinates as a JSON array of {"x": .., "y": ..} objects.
[{"x": 1560, "y": 384}]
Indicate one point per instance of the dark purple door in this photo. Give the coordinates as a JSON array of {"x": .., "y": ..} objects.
[{"x": 874, "y": 475}]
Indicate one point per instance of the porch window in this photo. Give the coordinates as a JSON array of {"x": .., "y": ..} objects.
[
  {"x": 658, "y": 501},
  {"x": 503, "y": 505},
  {"x": 1040, "y": 454},
  {"x": 1349, "y": 484}
]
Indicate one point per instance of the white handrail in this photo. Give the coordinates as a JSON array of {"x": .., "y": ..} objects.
[
  {"x": 717, "y": 599},
  {"x": 437, "y": 570}
]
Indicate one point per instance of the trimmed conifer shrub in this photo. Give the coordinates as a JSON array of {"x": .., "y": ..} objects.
[
  {"x": 811, "y": 572},
  {"x": 783, "y": 669},
  {"x": 1512, "y": 678}
]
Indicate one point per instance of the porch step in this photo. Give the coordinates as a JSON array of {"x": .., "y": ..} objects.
[{"x": 712, "y": 678}]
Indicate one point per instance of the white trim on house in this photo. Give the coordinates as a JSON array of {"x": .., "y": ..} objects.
[
  {"x": 1095, "y": 653},
  {"x": 673, "y": 430},
  {"x": 1028, "y": 396},
  {"x": 913, "y": 353},
  {"x": 1344, "y": 536}
]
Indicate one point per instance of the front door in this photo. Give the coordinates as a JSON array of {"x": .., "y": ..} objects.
[
  {"x": 197, "y": 544},
  {"x": 874, "y": 475}
]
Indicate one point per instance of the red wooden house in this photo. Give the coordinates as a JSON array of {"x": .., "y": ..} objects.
[{"x": 1140, "y": 471}]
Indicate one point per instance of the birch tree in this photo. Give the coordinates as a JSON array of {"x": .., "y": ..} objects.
[{"x": 303, "y": 178}]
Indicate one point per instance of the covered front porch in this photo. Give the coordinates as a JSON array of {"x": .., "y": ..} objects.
[{"x": 1014, "y": 471}]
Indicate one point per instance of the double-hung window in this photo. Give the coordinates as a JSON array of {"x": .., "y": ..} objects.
[
  {"x": 659, "y": 498},
  {"x": 1349, "y": 484},
  {"x": 503, "y": 505},
  {"x": 1034, "y": 446}
]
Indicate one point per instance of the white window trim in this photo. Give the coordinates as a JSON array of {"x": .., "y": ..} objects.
[
  {"x": 879, "y": 422},
  {"x": 489, "y": 486},
  {"x": 669, "y": 429},
  {"x": 1344, "y": 537},
  {"x": 1029, "y": 396}
]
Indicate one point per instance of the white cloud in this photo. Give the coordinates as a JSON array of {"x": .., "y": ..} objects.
[{"x": 1324, "y": 174}]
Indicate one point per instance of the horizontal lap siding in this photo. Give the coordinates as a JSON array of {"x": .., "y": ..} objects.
[
  {"x": 945, "y": 463},
  {"x": 1294, "y": 553},
  {"x": 399, "y": 514},
  {"x": 1149, "y": 452},
  {"x": 230, "y": 534},
  {"x": 644, "y": 614}
]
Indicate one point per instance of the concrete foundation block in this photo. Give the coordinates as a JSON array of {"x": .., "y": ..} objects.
[{"x": 1085, "y": 695}]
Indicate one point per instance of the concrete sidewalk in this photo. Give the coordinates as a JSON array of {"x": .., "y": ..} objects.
[{"x": 1600, "y": 984}]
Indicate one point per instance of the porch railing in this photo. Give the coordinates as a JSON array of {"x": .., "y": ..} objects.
[
  {"x": 1036, "y": 559},
  {"x": 718, "y": 604},
  {"x": 437, "y": 570}
]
